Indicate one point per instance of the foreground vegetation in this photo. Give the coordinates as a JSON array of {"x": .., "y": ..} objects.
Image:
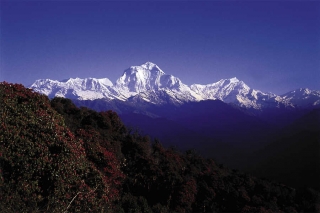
[{"x": 55, "y": 157}]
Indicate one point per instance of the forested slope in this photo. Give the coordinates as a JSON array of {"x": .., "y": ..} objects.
[{"x": 55, "y": 157}]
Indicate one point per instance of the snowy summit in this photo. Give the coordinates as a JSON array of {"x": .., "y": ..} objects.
[{"x": 149, "y": 83}]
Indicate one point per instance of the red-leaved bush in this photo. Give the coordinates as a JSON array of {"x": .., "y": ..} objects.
[
  {"x": 43, "y": 166},
  {"x": 56, "y": 157}
]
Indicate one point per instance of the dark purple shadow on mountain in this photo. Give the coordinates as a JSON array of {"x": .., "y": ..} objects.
[{"x": 239, "y": 138}]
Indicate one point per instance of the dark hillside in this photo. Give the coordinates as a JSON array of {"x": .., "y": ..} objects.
[
  {"x": 44, "y": 167},
  {"x": 294, "y": 158},
  {"x": 56, "y": 157},
  {"x": 213, "y": 128}
]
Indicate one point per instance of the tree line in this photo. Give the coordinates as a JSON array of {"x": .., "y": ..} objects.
[{"x": 56, "y": 157}]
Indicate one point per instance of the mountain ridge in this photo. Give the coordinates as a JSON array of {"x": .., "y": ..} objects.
[{"x": 150, "y": 83}]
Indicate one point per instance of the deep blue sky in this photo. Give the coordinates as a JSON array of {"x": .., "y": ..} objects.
[{"x": 273, "y": 46}]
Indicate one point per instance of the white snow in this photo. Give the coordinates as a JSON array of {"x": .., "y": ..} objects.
[{"x": 151, "y": 84}]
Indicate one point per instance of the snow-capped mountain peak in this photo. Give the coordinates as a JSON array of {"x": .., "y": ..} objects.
[
  {"x": 302, "y": 97},
  {"x": 149, "y": 79},
  {"x": 152, "y": 67},
  {"x": 145, "y": 69},
  {"x": 145, "y": 77},
  {"x": 298, "y": 93},
  {"x": 234, "y": 80},
  {"x": 76, "y": 88},
  {"x": 149, "y": 83},
  {"x": 138, "y": 79},
  {"x": 88, "y": 83}
]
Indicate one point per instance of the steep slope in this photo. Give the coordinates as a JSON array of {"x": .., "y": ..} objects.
[
  {"x": 44, "y": 167},
  {"x": 151, "y": 84},
  {"x": 142, "y": 78}
]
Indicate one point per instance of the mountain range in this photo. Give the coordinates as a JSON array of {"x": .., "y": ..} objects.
[
  {"x": 149, "y": 83},
  {"x": 238, "y": 126}
]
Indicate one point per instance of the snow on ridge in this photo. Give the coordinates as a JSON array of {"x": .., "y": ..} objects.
[
  {"x": 151, "y": 84},
  {"x": 302, "y": 97},
  {"x": 75, "y": 88}
]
